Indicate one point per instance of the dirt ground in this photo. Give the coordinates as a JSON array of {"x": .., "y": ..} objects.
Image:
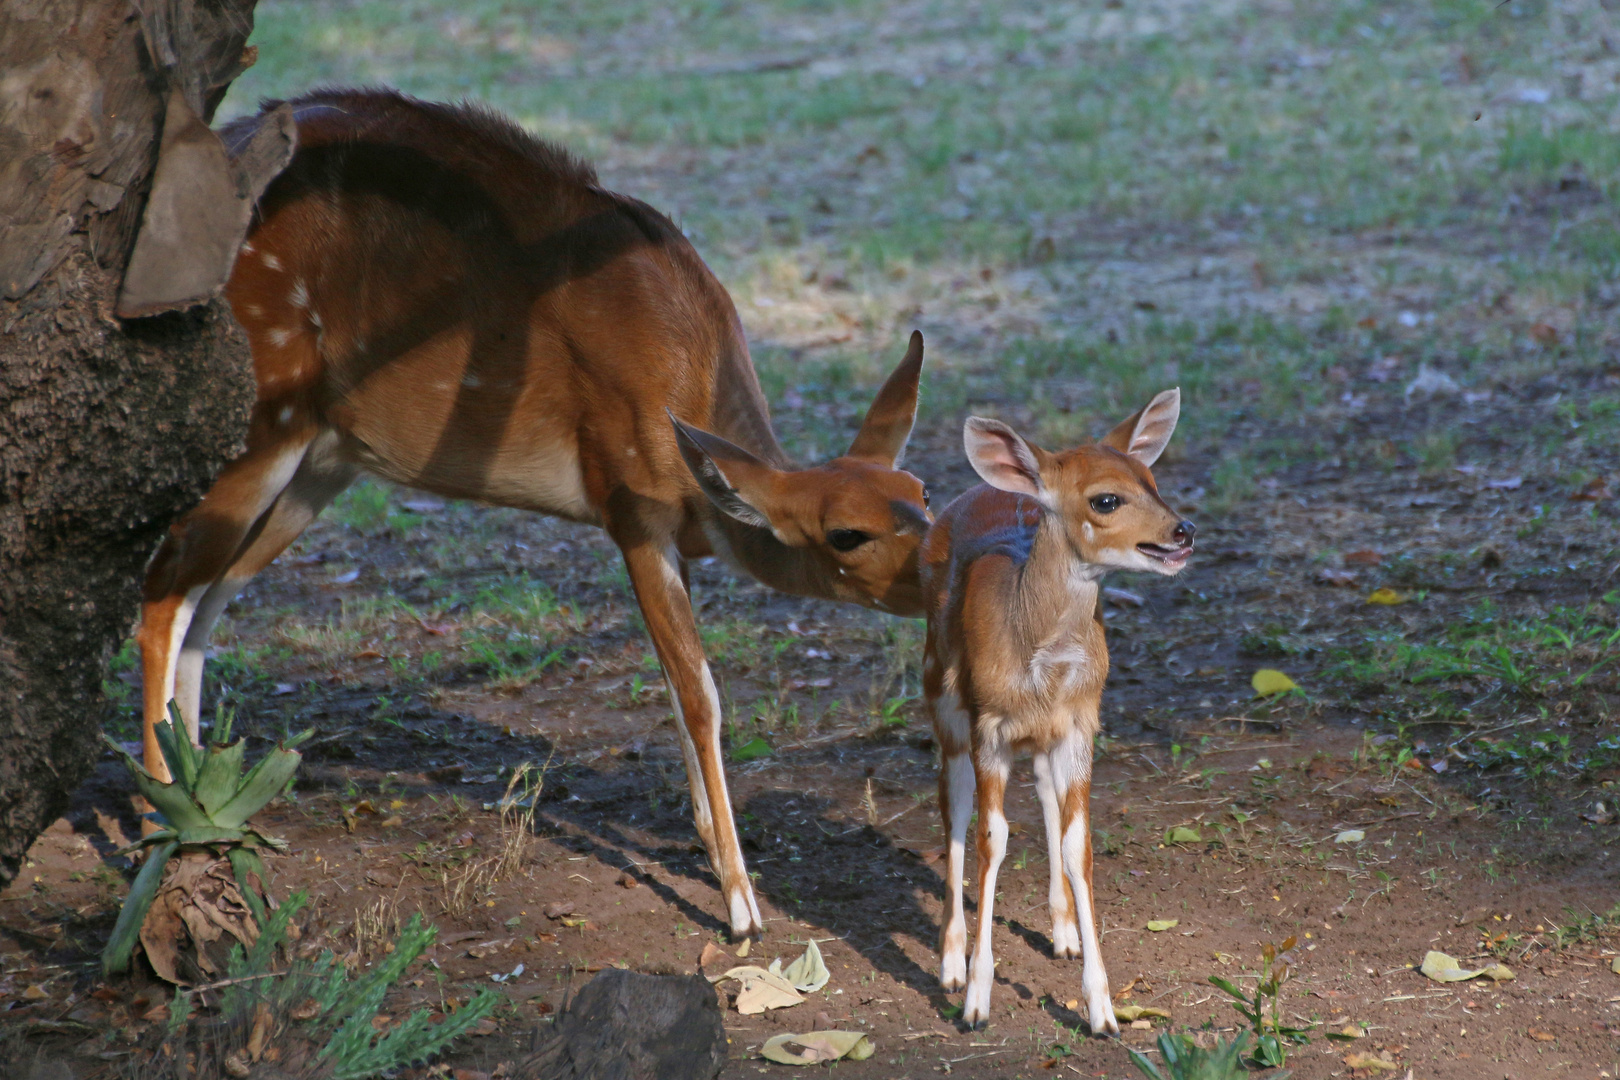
[{"x": 396, "y": 810}]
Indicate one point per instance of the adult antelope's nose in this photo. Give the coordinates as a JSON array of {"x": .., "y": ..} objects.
[{"x": 1183, "y": 536}]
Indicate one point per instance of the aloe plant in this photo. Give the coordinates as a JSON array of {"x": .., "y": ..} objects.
[
  {"x": 1186, "y": 1060},
  {"x": 205, "y": 808}
]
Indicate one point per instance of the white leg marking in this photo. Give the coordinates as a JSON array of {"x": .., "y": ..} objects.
[
  {"x": 1065, "y": 930},
  {"x": 953, "y": 941},
  {"x": 177, "y": 638},
  {"x": 1071, "y": 762},
  {"x": 189, "y": 669},
  {"x": 982, "y": 971}
]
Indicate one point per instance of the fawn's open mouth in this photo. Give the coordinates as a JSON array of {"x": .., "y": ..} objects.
[{"x": 1170, "y": 556}]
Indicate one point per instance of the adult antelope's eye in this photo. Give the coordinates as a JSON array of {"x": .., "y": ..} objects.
[
  {"x": 925, "y": 496},
  {"x": 846, "y": 539},
  {"x": 1105, "y": 504}
]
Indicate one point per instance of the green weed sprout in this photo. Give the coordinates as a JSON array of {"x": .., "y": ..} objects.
[{"x": 1271, "y": 1036}]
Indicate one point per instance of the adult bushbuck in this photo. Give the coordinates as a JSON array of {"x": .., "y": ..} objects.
[
  {"x": 435, "y": 297},
  {"x": 1016, "y": 659}
]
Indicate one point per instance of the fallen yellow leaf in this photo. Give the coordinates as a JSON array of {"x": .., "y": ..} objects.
[
  {"x": 1268, "y": 681},
  {"x": 1139, "y": 1012},
  {"x": 1386, "y": 596},
  {"x": 1368, "y": 1061},
  {"x": 1156, "y": 925}
]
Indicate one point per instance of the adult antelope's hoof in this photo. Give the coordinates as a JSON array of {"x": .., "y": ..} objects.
[{"x": 953, "y": 973}]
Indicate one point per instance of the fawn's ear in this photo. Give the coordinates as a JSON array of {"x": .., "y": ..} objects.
[
  {"x": 735, "y": 481},
  {"x": 883, "y": 434},
  {"x": 1145, "y": 433},
  {"x": 1002, "y": 458}
]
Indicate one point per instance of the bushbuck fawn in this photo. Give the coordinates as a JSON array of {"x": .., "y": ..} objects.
[
  {"x": 1016, "y": 659},
  {"x": 434, "y": 296}
]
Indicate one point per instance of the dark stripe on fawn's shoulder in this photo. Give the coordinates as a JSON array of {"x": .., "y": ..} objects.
[{"x": 1011, "y": 538}]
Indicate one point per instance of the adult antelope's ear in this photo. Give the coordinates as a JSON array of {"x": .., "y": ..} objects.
[
  {"x": 736, "y": 481},
  {"x": 1002, "y": 457},
  {"x": 888, "y": 422},
  {"x": 1144, "y": 434}
]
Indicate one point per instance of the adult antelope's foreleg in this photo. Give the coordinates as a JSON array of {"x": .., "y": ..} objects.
[
  {"x": 990, "y": 767},
  {"x": 1071, "y": 777},
  {"x": 666, "y": 607},
  {"x": 197, "y": 551},
  {"x": 1059, "y": 896}
]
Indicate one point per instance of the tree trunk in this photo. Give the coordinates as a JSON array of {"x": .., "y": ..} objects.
[{"x": 124, "y": 382}]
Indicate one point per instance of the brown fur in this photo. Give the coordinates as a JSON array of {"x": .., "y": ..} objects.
[
  {"x": 1016, "y": 657},
  {"x": 436, "y": 297}
]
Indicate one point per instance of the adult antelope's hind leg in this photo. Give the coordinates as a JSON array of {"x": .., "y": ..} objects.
[
  {"x": 1071, "y": 778},
  {"x": 1059, "y": 897},
  {"x": 197, "y": 551},
  {"x": 990, "y": 767},
  {"x": 956, "y": 788},
  {"x": 666, "y": 608},
  {"x": 319, "y": 479}
]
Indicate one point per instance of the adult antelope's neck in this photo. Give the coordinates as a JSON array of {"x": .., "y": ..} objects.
[{"x": 739, "y": 413}]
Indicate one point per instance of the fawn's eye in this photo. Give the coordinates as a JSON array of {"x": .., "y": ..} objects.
[
  {"x": 846, "y": 539},
  {"x": 1105, "y": 504},
  {"x": 925, "y": 496}
]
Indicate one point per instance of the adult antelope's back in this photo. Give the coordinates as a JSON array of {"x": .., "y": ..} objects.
[
  {"x": 433, "y": 296},
  {"x": 1016, "y": 659}
]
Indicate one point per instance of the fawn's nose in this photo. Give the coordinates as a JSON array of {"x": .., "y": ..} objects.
[{"x": 1183, "y": 535}]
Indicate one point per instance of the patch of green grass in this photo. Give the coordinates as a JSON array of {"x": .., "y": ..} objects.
[
  {"x": 1339, "y": 116},
  {"x": 1532, "y": 657}
]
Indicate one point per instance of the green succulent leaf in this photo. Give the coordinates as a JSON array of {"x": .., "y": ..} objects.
[
  {"x": 245, "y": 862},
  {"x": 252, "y": 838},
  {"x": 115, "y": 957},
  {"x": 172, "y": 802},
  {"x": 263, "y": 782},
  {"x": 220, "y": 774},
  {"x": 175, "y": 743},
  {"x": 149, "y": 840},
  {"x": 209, "y": 834}
]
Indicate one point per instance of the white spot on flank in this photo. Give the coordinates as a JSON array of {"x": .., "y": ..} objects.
[
  {"x": 270, "y": 261},
  {"x": 299, "y": 297},
  {"x": 279, "y": 337},
  {"x": 248, "y": 248},
  {"x": 253, "y": 310}
]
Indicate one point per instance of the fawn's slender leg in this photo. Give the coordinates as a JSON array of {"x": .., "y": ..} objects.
[
  {"x": 990, "y": 767},
  {"x": 1071, "y": 776},
  {"x": 1059, "y": 897},
  {"x": 655, "y": 573},
  {"x": 319, "y": 479},
  {"x": 956, "y": 786}
]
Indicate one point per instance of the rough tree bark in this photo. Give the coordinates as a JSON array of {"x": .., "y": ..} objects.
[{"x": 124, "y": 382}]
